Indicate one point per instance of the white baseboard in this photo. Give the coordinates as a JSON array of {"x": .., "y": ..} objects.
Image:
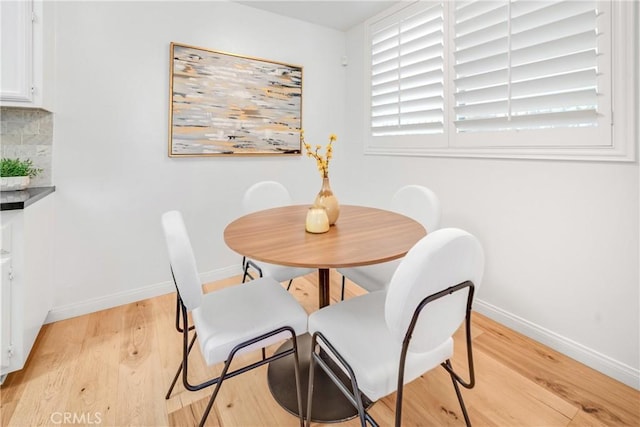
[
  {"x": 108, "y": 301},
  {"x": 598, "y": 361}
]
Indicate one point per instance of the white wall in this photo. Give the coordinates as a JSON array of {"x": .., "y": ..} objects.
[
  {"x": 111, "y": 169},
  {"x": 561, "y": 238}
]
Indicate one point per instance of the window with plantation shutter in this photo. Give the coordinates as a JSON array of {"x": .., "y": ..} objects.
[
  {"x": 407, "y": 68},
  {"x": 528, "y": 65},
  {"x": 505, "y": 78}
]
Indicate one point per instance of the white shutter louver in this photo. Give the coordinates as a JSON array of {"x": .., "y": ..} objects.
[
  {"x": 407, "y": 73},
  {"x": 525, "y": 65}
]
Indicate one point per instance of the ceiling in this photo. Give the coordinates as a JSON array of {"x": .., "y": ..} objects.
[{"x": 341, "y": 15}]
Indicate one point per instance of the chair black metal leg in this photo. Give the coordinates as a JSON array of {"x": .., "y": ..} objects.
[
  {"x": 244, "y": 268},
  {"x": 296, "y": 370},
  {"x": 399, "y": 395},
  {"x": 175, "y": 379},
  {"x": 289, "y": 285},
  {"x": 310, "y": 386},
  {"x": 354, "y": 396},
  {"x": 342, "y": 291},
  {"x": 459, "y": 394},
  {"x": 181, "y": 330},
  {"x": 246, "y": 274},
  {"x": 215, "y": 391}
]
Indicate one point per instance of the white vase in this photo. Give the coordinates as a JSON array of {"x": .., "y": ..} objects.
[{"x": 14, "y": 183}]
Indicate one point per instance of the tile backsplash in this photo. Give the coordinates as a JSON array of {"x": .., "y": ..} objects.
[{"x": 28, "y": 134}]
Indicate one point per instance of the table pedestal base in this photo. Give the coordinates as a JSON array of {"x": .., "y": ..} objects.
[{"x": 329, "y": 404}]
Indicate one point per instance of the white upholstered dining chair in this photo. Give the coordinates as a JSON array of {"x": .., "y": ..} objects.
[
  {"x": 396, "y": 335},
  {"x": 229, "y": 321},
  {"x": 266, "y": 195},
  {"x": 418, "y": 203}
]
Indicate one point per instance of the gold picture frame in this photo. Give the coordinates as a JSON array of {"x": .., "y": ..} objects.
[{"x": 224, "y": 104}]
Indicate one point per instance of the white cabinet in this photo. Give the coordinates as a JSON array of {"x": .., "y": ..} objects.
[
  {"x": 5, "y": 307},
  {"x": 26, "y": 258},
  {"x": 27, "y": 53},
  {"x": 17, "y": 57}
]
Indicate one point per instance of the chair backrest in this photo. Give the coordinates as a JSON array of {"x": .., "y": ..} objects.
[
  {"x": 441, "y": 259},
  {"x": 265, "y": 195},
  {"x": 419, "y": 203},
  {"x": 183, "y": 263}
]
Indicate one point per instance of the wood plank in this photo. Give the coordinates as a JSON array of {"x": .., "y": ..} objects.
[
  {"x": 94, "y": 383},
  {"x": 583, "y": 419},
  {"x": 50, "y": 365},
  {"x": 191, "y": 415},
  {"x": 572, "y": 381},
  {"x": 508, "y": 398},
  {"x": 140, "y": 394}
]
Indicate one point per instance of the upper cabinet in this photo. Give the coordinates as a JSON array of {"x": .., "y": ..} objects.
[{"x": 27, "y": 53}]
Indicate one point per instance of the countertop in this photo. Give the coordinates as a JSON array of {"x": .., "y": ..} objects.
[{"x": 12, "y": 200}]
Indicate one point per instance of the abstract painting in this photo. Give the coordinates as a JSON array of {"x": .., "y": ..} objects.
[{"x": 226, "y": 104}]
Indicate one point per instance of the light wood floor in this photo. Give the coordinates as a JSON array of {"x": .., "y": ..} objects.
[{"x": 112, "y": 368}]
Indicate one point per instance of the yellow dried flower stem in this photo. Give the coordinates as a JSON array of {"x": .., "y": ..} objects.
[{"x": 322, "y": 162}]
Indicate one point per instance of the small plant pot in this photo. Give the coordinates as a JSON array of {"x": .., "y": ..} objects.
[{"x": 14, "y": 183}]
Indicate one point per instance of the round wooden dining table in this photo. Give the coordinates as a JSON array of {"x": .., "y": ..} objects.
[{"x": 361, "y": 236}]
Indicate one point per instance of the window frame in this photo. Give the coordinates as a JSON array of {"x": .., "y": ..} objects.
[{"x": 621, "y": 144}]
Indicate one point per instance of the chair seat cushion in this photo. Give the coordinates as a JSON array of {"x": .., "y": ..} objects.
[
  {"x": 235, "y": 314},
  {"x": 282, "y": 273},
  {"x": 358, "y": 331},
  {"x": 373, "y": 277}
]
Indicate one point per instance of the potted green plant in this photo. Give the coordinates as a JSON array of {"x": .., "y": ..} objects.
[{"x": 15, "y": 174}]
